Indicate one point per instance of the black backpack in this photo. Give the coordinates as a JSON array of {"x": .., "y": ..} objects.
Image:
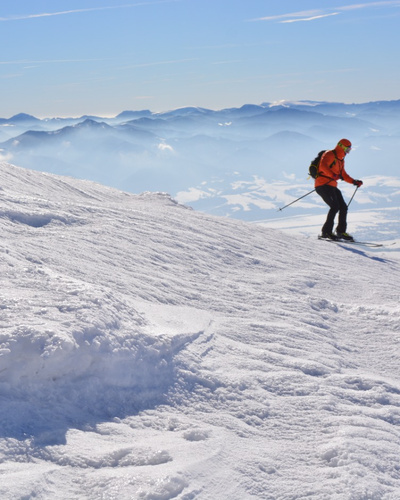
[{"x": 313, "y": 168}]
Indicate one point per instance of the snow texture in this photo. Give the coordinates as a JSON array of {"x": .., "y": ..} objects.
[{"x": 151, "y": 352}]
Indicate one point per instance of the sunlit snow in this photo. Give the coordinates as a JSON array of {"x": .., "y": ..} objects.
[{"x": 152, "y": 352}]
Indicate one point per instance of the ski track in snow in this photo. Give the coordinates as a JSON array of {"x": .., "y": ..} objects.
[{"x": 151, "y": 352}]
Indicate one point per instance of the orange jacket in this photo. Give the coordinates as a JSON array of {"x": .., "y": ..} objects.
[{"x": 331, "y": 167}]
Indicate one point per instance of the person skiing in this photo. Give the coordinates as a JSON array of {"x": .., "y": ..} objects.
[{"x": 330, "y": 170}]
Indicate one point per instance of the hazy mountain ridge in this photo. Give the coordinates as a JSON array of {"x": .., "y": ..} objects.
[{"x": 247, "y": 110}]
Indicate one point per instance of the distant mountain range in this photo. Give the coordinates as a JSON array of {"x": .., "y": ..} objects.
[{"x": 209, "y": 158}]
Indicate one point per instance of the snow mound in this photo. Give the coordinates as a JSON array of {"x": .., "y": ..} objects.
[{"x": 69, "y": 344}]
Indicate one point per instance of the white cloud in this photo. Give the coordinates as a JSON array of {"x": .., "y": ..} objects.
[
  {"x": 49, "y": 61},
  {"x": 80, "y": 11},
  {"x": 388, "y": 3},
  {"x": 245, "y": 201},
  {"x": 313, "y": 18},
  {"x": 191, "y": 195},
  {"x": 4, "y": 156},
  {"x": 380, "y": 180},
  {"x": 304, "y": 13},
  {"x": 312, "y": 15},
  {"x": 165, "y": 147}
]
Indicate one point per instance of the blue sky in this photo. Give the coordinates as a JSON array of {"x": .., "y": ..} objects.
[{"x": 75, "y": 57}]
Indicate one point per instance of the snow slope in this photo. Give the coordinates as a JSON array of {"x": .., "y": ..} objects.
[{"x": 152, "y": 352}]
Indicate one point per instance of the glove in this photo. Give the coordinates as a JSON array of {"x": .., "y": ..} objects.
[{"x": 358, "y": 183}]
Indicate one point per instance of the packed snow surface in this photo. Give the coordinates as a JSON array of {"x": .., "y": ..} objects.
[{"x": 151, "y": 352}]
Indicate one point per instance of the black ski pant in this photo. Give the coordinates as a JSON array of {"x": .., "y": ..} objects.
[{"x": 333, "y": 197}]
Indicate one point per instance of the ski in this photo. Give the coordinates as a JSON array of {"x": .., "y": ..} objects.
[{"x": 355, "y": 242}]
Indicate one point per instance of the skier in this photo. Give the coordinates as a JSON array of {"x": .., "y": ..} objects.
[{"x": 330, "y": 170}]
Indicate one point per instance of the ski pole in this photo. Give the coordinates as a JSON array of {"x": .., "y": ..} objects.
[
  {"x": 288, "y": 205},
  {"x": 348, "y": 204}
]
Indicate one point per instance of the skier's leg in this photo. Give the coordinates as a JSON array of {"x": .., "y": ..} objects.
[
  {"x": 342, "y": 223},
  {"x": 329, "y": 195}
]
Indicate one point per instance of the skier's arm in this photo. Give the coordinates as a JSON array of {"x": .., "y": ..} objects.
[{"x": 346, "y": 177}]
